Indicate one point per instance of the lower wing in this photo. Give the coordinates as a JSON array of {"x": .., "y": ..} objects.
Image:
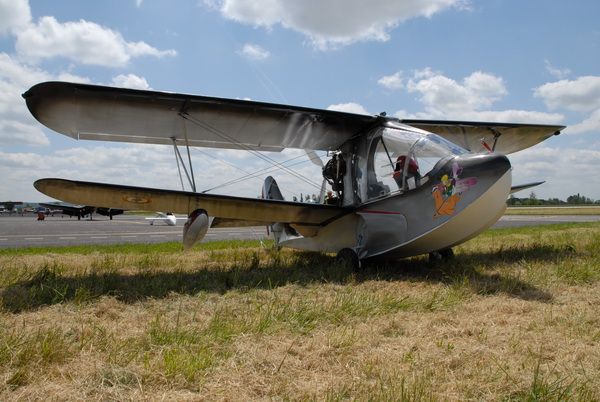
[{"x": 183, "y": 202}]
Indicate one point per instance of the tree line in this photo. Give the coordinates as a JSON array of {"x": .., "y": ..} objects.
[{"x": 576, "y": 199}]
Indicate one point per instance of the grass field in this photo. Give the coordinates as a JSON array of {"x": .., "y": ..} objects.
[
  {"x": 513, "y": 317},
  {"x": 568, "y": 210}
]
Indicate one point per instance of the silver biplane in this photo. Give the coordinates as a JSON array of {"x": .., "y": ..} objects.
[{"x": 402, "y": 187}]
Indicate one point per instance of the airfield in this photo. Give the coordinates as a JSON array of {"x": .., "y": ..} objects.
[
  {"x": 513, "y": 317},
  {"x": 26, "y": 231}
]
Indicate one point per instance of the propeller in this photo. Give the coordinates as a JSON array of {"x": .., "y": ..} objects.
[{"x": 314, "y": 158}]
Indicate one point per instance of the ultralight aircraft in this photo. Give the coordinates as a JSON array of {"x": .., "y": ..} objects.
[
  {"x": 167, "y": 218},
  {"x": 402, "y": 187}
]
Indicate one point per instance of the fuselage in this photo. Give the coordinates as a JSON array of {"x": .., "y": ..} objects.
[
  {"x": 444, "y": 197},
  {"x": 167, "y": 218}
]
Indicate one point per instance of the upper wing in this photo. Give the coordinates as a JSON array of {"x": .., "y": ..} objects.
[
  {"x": 115, "y": 114},
  {"x": 469, "y": 135},
  {"x": 136, "y": 198}
]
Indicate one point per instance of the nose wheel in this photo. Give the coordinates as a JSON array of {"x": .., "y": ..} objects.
[
  {"x": 348, "y": 258},
  {"x": 441, "y": 255}
]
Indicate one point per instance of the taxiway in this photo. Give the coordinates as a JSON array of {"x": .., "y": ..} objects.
[{"x": 26, "y": 231}]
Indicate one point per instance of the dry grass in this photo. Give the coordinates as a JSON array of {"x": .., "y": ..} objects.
[{"x": 513, "y": 317}]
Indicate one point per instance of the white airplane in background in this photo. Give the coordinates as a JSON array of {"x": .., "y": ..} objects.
[
  {"x": 167, "y": 218},
  {"x": 402, "y": 187}
]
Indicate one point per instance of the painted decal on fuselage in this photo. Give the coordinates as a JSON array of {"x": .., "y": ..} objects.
[{"x": 448, "y": 192}]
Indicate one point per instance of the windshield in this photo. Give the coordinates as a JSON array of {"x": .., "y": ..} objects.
[{"x": 402, "y": 160}]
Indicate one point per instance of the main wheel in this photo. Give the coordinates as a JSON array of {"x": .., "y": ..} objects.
[
  {"x": 348, "y": 258},
  {"x": 441, "y": 255}
]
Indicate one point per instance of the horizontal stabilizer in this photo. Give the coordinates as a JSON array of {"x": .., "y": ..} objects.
[
  {"x": 183, "y": 202},
  {"x": 520, "y": 187}
]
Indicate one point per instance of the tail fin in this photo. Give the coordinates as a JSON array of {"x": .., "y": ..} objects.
[
  {"x": 271, "y": 190},
  {"x": 281, "y": 231}
]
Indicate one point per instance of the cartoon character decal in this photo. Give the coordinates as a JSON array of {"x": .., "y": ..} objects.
[{"x": 447, "y": 193}]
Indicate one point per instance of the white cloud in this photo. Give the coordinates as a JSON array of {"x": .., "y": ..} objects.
[
  {"x": 332, "y": 23},
  {"x": 14, "y": 15},
  {"x": 254, "y": 52},
  {"x": 130, "y": 81},
  {"x": 17, "y": 126},
  {"x": 590, "y": 124},
  {"x": 557, "y": 73},
  {"x": 468, "y": 99},
  {"x": 151, "y": 166},
  {"x": 83, "y": 42},
  {"x": 394, "y": 81},
  {"x": 349, "y": 107},
  {"x": 445, "y": 95},
  {"x": 138, "y": 3},
  {"x": 14, "y": 132},
  {"x": 580, "y": 95},
  {"x": 560, "y": 167}
]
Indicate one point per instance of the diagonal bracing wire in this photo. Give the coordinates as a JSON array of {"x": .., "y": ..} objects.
[
  {"x": 258, "y": 173},
  {"x": 265, "y": 158}
]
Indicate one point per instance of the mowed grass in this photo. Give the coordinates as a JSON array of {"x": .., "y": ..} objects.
[
  {"x": 550, "y": 210},
  {"x": 513, "y": 317}
]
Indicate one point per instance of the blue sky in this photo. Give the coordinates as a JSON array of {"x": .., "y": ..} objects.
[{"x": 496, "y": 60}]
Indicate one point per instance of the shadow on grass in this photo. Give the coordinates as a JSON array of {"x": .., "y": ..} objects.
[{"x": 49, "y": 286}]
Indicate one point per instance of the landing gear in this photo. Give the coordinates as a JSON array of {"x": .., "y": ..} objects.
[
  {"x": 348, "y": 258},
  {"x": 441, "y": 255}
]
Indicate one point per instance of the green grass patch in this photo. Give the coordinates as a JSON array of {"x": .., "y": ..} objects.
[
  {"x": 238, "y": 321},
  {"x": 552, "y": 210},
  {"x": 167, "y": 247}
]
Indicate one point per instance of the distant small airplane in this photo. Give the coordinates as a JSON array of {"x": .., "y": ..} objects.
[
  {"x": 167, "y": 218},
  {"x": 80, "y": 211},
  {"x": 402, "y": 187},
  {"x": 7, "y": 207}
]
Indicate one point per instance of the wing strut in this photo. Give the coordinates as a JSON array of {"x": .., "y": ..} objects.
[
  {"x": 497, "y": 135},
  {"x": 187, "y": 146},
  {"x": 179, "y": 161}
]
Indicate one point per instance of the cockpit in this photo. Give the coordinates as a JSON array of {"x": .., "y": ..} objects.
[{"x": 395, "y": 159}]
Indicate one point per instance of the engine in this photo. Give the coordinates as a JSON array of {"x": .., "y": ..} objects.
[{"x": 195, "y": 228}]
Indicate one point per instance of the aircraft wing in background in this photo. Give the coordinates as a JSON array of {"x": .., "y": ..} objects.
[{"x": 81, "y": 210}]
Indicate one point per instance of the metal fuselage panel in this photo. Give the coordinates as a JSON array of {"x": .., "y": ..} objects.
[{"x": 422, "y": 220}]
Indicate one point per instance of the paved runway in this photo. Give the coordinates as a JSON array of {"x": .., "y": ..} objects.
[{"x": 26, "y": 231}]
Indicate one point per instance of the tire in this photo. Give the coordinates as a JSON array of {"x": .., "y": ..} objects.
[
  {"x": 348, "y": 258},
  {"x": 441, "y": 255}
]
